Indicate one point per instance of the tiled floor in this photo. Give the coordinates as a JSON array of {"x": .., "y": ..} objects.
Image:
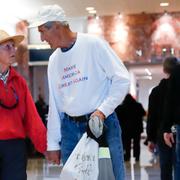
[{"x": 38, "y": 169}]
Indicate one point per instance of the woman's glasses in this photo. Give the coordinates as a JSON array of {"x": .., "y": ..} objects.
[
  {"x": 9, "y": 103},
  {"x": 7, "y": 46}
]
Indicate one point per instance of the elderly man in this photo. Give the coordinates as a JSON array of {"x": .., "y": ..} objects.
[{"x": 86, "y": 80}]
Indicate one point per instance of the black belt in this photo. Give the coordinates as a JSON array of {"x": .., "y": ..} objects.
[{"x": 83, "y": 118}]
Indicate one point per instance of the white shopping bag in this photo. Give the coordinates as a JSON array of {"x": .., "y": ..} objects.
[{"x": 83, "y": 161}]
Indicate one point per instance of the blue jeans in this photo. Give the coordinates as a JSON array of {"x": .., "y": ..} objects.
[
  {"x": 167, "y": 160},
  {"x": 177, "y": 167},
  {"x": 72, "y": 131}
]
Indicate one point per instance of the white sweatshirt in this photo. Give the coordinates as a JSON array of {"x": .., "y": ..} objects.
[{"x": 87, "y": 77}]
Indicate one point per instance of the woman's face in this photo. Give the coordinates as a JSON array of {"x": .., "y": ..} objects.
[{"x": 7, "y": 53}]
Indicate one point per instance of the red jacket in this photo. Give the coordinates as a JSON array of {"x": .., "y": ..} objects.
[{"x": 23, "y": 120}]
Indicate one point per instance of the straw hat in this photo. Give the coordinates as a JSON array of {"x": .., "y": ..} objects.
[
  {"x": 48, "y": 13},
  {"x": 4, "y": 36}
]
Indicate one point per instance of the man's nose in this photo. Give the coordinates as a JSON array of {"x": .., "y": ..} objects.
[{"x": 42, "y": 38}]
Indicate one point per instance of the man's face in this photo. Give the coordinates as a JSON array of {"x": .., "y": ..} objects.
[
  {"x": 7, "y": 53},
  {"x": 49, "y": 35}
]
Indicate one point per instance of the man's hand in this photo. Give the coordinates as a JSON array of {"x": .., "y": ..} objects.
[
  {"x": 53, "y": 157},
  {"x": 169, "y": 139},
  {"x": 151, "y": 146},
  {"x": 95, "y": 125},
  {"x": 99, "y": 114}
]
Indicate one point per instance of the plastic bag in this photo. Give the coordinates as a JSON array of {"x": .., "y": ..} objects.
[{"x": 83, "y": 161}]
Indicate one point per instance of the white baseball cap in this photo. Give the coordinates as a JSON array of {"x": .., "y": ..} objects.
[{"x": 49, "y": 13}]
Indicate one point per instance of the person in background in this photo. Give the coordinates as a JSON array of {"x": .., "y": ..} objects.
[
  {"x": 155, "y": 121},
  {"x": 172, "y": 116},
  {"x": 18, "y": 115},
  {"x": 87, "y": 80},
  {"x": 42, "y": 108},
  {"x": 130, "y": 114}
]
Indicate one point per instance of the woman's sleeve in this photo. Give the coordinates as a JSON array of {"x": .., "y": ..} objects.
[
  {"x": 34, "y": 126},
  {"x": 152, "y": 118}
]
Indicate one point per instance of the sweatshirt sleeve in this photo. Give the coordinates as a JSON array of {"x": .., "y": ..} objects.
[
  {"x": 34, "y": 126},
  {"x": 53, "y": 124},
  {"x": 116, "y": 73},
  {"x": 152, "y": 118}
]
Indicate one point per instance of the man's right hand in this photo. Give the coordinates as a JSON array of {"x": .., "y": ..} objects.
[
  {"x": 53, "y": 157},
  {"x": 151, "y": 146},
  {"x": 169, "y": 139}
]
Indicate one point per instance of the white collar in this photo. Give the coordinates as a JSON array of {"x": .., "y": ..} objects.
[{"x": 4, "y": 76}]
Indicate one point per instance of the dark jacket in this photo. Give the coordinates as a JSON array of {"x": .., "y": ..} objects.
[
  {"x": 130, "y": 114},
  {"x": 42, "y": 109},
  {"x": 155, "y": 111},
  {"x": 172, "y": 103}
]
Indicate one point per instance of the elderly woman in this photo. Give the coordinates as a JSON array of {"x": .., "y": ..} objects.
[{"x": 18, "y": 115}]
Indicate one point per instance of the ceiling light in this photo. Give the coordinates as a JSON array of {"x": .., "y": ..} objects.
[
  {"x": 144, "y": 77},
  {"x": 164, "y": 50},
  {"x": 148, "y": 72},
  {"x": 119, "y": 15},
  {"x": 90, "y": 8},
  {"x": 96, "y": 17},
  {"x": 164, "y": 4},
  {"x": 92, "y": 12}
]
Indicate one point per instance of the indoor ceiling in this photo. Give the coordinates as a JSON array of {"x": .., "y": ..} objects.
[
  {"x": 109, "y": 7},
  {"x": 25, "y": 9}
]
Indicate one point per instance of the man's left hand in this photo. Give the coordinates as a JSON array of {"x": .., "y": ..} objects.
[{"x": 99, "y": 114}]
